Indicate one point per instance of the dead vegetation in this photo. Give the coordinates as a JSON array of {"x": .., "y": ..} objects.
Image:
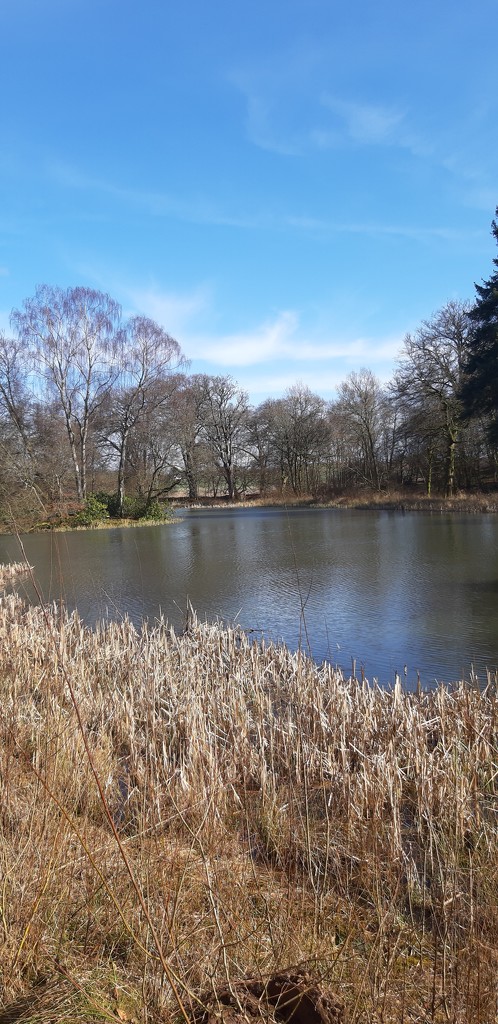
[
  {"x": 12, "y": 572},
  {"x": 185, "y": 820}
]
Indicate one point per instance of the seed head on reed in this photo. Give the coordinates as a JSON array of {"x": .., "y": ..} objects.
[{"x": 273, "y": 812}]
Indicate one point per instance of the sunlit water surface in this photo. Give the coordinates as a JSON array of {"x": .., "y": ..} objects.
[{"x": 410, "y": 593}]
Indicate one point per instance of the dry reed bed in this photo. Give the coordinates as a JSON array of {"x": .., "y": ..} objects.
[
  {"x": 11, "y": 572},
  {"x": 272, "y": 813}
]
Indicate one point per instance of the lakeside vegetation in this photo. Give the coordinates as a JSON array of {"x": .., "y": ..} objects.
[
  {"x": 195, "y": 827},
  {"x": 93, "y": 514},
  {"x": 97, "y": 512},
  {"x": 181, "y": 812},
  {"x": 392, "y": 501},
  {"x": 91, "y": 404}
]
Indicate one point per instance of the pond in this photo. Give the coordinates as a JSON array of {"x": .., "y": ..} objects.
[{"x": 390, "y": 592}]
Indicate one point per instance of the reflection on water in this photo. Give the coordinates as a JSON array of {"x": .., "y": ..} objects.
[{"x": 388, "y": 590}]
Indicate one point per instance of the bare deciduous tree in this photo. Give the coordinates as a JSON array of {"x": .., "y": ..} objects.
[
  {"x": 297, "y": 433},
  {"x": 14, "y": 395},
  {"x": 148, "y": 356},
  {"x": 224, "y": 419},
  {"x": 362, "y": 407},
  {"x": 429, "y": 376},
  {"x": 185, "y": 426},
  {"x": 71, "y": 334}
]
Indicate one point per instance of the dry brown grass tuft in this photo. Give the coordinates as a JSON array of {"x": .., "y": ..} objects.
[
  {"x": 271, "y": 813},
  {"x": 11, "y": 572}
]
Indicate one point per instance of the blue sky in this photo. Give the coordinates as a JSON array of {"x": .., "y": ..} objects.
[{"x": 287, "y": 187}]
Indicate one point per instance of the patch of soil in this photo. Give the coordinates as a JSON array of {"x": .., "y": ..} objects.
[{"x": 282, "y": 999}]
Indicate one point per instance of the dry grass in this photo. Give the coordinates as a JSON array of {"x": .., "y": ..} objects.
[
  {"x": 12, "y": 572},
  {"x": 256, "y": 811},
  {"x": 407, "y": 500}
]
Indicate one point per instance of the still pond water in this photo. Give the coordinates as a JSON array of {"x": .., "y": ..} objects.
[{"x": 408, "y": 593}]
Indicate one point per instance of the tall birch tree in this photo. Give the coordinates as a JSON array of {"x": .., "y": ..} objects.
[{"x": 71, "y": 335}]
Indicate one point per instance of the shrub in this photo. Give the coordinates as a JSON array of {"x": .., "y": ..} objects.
[
  {"x": 133, "y": 507},
  {"x": 156, "y": 512},
  {"x": 93, "y": 511},
  {"x": 111, "y": 502}
]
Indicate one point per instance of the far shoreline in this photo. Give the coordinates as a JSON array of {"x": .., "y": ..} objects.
[
  {"x": 471, "y": 504},
  {"x": 373, "y": 501}
]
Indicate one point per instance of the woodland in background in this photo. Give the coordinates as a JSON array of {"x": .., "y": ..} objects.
[{"x": 100, "y": 417}]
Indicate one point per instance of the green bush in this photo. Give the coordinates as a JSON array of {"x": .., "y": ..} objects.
[
  {"x": 133, "y": 507},
  {"x": 111, "y": 502},
  {"x": 93, "y": 511},
  {"x": 156, "y": 512}
]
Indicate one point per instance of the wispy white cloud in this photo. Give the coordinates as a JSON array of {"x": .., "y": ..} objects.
[
  {"x": 4, "y": 271},
  {"x": 282, "y": 337},
  {"x": 481, "y": 197},
  {"x": 274, "y": 384},
  {"x": 69, "y": 176},
  {"x": 417, "y": 233},
  {"x": 4, "y": 321},
  {"x": 475, "y": 176},
  {"x": 278, "y": 96},
  {"x": 365, "y": 123},
  {"x": 355, "y": 351},
  {"x": 177, "y": 311},
  {"x": 261, "y": 121},
  {"x": 190, "y": 315},
  {"x": 192, "y": 210},
  {"x": 208, "y": 212},
  {"x": 360, "y": 123},
  {"x": 292, "y": 119},
  {"x": 322, "y": 378},
  {"x": 272, "y": 339}
]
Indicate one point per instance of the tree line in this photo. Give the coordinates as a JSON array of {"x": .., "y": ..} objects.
[{"x": 92, "y": 404}]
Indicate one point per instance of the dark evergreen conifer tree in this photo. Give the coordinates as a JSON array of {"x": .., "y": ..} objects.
[{"x": 479, "y": 392}]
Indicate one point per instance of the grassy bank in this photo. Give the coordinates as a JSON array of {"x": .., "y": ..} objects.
[
  {"x": 181, "y": 812},
  {"x": 69, "y": 527},
  {"x": 393, "y": 501}
]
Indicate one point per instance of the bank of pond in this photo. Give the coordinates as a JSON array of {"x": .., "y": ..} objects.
[
  {"x": 191, "y": 819},
  {"x": 380, "y": 594}
]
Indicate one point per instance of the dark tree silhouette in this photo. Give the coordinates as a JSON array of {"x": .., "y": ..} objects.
[{"x": 479, "y": 392}]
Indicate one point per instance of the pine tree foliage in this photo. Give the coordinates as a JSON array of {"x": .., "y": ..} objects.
[{"x": 479, "y": 391}]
